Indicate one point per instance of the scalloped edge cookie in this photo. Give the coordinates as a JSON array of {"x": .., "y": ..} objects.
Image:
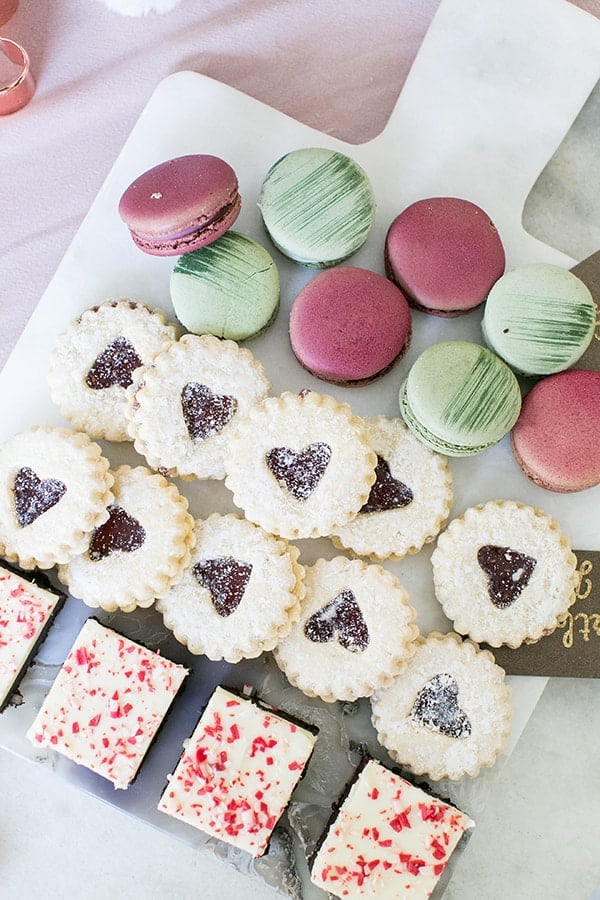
[
  {"x": 188, "y": 401},
  {"x": 504, "y": 573},
  {"x": 103, "y": 345},
  {"x": 248, "y": 605},
  {"x": 410, "y": 500},
  {"x": 355, "y": 633},
  {"x": 140, "y": 551},
  {"x": 453, "y": 727},
  {"x": 66, "y": 495},
  {"x": 300, "y": 465}
]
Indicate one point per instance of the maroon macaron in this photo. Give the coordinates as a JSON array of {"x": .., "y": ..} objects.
[
  {"x": 445, "y": 254},
  {"x": 556, "y": 439},
  {"x": 349, "y": 325},
  {"x": 181, "y": 204}
]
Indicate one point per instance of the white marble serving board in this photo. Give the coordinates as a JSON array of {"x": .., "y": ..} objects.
[{"x": 491, "y": 94}]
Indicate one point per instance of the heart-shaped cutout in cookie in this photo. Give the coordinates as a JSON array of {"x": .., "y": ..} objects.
[
  {"x": 226, "y": 578},
  {"x": 342, "y": 617},
  {"x": 299, "y": 471},
  {"x": 204, "y": 412},
  {"x": 121, "y": 531},
  {"x": 387, "y": 492},
  {"x": 508, "y": 573},
  {"x": 114, "y": 366},
  {"x": 34, "y": 495},
  {"x": 436, "y": 707}
]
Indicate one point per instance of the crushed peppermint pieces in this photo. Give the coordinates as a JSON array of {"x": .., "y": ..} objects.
[
  {"x": 389, "y": 839},
  {"x": 237, "y": 772},
  {"x": 25, "y": 612},
  {"x": 107, "y": 703}
]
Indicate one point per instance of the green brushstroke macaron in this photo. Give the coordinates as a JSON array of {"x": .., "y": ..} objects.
[
  {"x": 229, "y": 288},
  {"x": 459, "y": 398},
  {"x": 539, "y": 318},
  {"x": 318, "y": 206}
]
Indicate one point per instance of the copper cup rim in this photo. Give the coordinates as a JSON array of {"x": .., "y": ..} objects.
[{"x": 24, "y": 63}]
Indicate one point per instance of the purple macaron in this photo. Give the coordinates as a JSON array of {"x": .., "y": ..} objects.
[
  {"x": 445, "y": 254},
  {"x": 181, "y": 204},
  {"x": 349, "y": 325}
]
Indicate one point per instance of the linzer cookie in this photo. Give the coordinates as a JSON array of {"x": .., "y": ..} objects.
[
  {"x": 28, "y": 606},
  {"x": 239, "y": 594},
  {"x": 107, "y": 703},
  {"x": 388, "y": 839},
  {"x": 141, "y": 549},
  {"x": 300, "y": 465},
  {"x": 356, "y": 631},
  {"x": 449, "y": 713},
  {"x": 409, "y": 502},
  {"x": 187, "y": 402},
  {"x": 55, "y": 487},
  {"x": 94, "y": 361},
  {"x": 504, "y": 573},
  {"x": 238, "y": 771}
]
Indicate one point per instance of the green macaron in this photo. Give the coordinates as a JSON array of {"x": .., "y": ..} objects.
[
  {"x": 229, "y": 288},
  {"x": 317, "y": 206},
  {"x": 539, "y": 318},
  {"x": 459, "y": 398}
]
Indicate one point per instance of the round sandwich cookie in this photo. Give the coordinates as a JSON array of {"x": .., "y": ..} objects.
[
  {"x": 94, "y": 362},
  {"x": 556, "y": 439},
  {"x": 229, "y": 289},
  {"x": 409, "y": 502},
  {"x": 449, "y": 713},
  {"x": 55, "y": 488},
  {"x": 539, "y": 318},
  {"x": 300, "y": 465},
  {"x": 504, "y": 573},
  {"x": 349, "y": 326},
  {"x": 239, "y": 594},
  {"x": 355, "y": 633},
  {"x": 317, "y": 205},
  {"x": 140, "y": 551},
  {"x": 445, "y": 253},
  {"x": 188, "y": 401},
  {"x": 460, "y": 398},
  {"x": 181, "y": 204}
]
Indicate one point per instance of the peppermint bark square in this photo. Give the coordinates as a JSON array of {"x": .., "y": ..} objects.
[
  {"x": 107, "y": 703},
  {"x": 238, "y": 771},
  {"x": 26, "y": 612},
  {"x": 388, "y": 839}
]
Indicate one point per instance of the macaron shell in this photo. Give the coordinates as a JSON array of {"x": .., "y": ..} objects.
[
  {"x": 460, "y": 398},
  {"x": 317, "y": 206},
  {"x": 445, "y": 253},
  {"x": 229, "y": 289},
  {"x": 181, "y": 204},
  {"x": 539, "y": 318},
  {"x": 349, "y": 325},
  {"x": 556, "y": 439}
]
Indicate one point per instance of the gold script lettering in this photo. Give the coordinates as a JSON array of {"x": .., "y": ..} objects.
[
  {"x": 584, "y": 585},
  {"x": 567, "y": 638},
  {"x": 584, "y": 631}
]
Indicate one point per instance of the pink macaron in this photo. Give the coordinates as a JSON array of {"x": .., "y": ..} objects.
[
  {"x": 349, "y": 325},
  {"x": 556, "y": 439},
  {"x": 181, "y": 204},
  {"x": 445, "y": 253}
]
